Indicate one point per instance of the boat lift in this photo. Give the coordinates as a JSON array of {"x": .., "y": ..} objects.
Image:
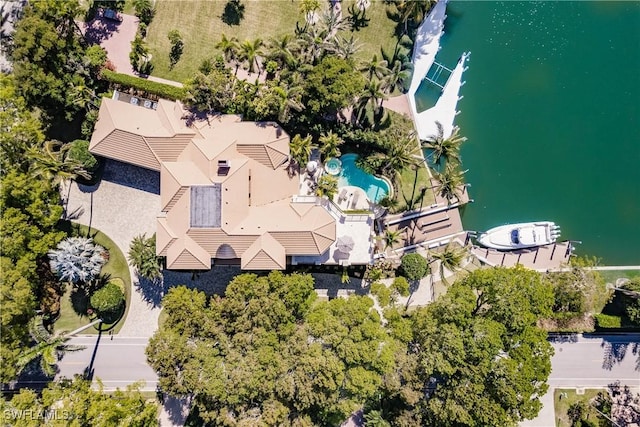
[{"x": 435, "y": 73}]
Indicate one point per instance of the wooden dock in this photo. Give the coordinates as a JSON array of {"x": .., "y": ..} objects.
[{"x": 542, "y": 258}]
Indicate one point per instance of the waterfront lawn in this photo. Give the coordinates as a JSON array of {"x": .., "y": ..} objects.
[
  {"x": 411, "y": 183},
  {"x": 611, "y": 276},
  {"x": 201, "y": 27},
  {"x": 561, "y": 406},
  {"x": 117, "y": 266}
]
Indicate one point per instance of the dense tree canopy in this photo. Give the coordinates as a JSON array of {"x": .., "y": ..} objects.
[
  {"x": 74, "y": 402},
  {"x": 331, "y": 86},
  {"x": 52, "y": 64},
  {"x": 477, "y": 357},
  {"x": 269, "y": 353}
]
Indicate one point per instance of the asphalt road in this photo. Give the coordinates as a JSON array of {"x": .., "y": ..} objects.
[
  {"x": 116, "y": 362},
  {"x": 596, "y": 361}
]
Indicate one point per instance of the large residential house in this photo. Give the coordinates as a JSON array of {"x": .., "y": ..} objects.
[{"x": 224, "y": 188}]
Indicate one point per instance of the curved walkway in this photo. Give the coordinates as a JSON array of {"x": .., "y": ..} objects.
[{"x": 123, "y": 205}]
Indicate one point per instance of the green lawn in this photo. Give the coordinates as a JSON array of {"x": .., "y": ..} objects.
[
  {"x": 201, "y": 27},
  {"x": 612, "y": 275},
  {"x": 116, "y": 267},
  {"x": 561, "y": 406},
  {"x": 411, "y": 183}
]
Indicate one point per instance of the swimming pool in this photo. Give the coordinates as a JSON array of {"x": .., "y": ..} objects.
[{"x": 376, "y": 188}]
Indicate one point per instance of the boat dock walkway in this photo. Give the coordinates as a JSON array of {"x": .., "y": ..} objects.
[{"x": 542, "y": 258}]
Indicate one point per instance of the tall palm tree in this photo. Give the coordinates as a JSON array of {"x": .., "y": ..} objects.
[
  {"x": 373, "y": 96},
  {"x": 376, "y": 67},
  {"x": 50, "y": 162},
  {"x": 450, "y": 182},
  {"x": 300, "y": 149},
  {"x": 413, "y": 11},
  {"x": 343, "y": 47},
  {"x": 282, "y": 49},
  {"x": 230, "y": 49},
  {"x": 400, "y": 154},
  {"x": 397, "y": 76},
  {"x": 291, "y": 95},
  {"x": 47, "y": 348},
  {"x": 330, "y": 144},
  {"x": 250, "y": 52},
  {"x": 451, "y": 258},
  {"x": 444, "y": 148}
]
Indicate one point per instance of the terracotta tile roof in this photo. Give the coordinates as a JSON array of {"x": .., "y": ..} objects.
[{"x": 246, "y": 161}]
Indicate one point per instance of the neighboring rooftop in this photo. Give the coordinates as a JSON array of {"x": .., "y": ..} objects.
[{"x": 224, "y": 188}]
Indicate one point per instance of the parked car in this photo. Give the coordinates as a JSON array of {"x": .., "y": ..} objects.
[{"x": 112, "y": 15}]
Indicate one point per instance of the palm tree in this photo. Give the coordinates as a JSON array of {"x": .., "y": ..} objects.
[
  {"x": 77, "y": 260},
  {"x": 447, "y": 148},
  {"x": 51, "y": 163},
  {"x": 376, "y": 67},
  {"x": 400, "y": 154},
  {"x": 372, "y": 95},
  {"x": 251, "y": 50},
  {"x": 300, "y": 149},
  {"x": 291, "y": 100},
  {"x": 450, "y": 182},
  {"x": 391, "y": 238},
  {"x": 397, "y": 76},
  {"x": 413, "y": 10},
  {"x": 343, "y": 47},
  {"x": 47, "y": 348},
  {"x": 451, "y": 258},
  {"x": 281, "y": 49},
  {"x": 330, "y": 144},
  {"x": 327, "y": 186},
  {"x": 142, "y": 256},
  {"x": 229, "y": 48}
]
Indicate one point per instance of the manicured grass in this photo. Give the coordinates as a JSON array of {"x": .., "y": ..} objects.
[
  {"x": 201, "y": 27},
  {"x": 612, "y": 275},
  {"x": 410, "y": 185},
  {"x": 561, "y": 406},
  {"x": 117, "y": 266}
]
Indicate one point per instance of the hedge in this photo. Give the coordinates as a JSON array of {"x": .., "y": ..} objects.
[
  {"x": 160, "y": 89},
  {"x": 608, "y": 321}
]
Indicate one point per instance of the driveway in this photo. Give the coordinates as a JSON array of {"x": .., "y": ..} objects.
[
  {"x": 123, "y": 205},
  {"x": 589, "y": 361},
  {"x": 115, "y": 37}
]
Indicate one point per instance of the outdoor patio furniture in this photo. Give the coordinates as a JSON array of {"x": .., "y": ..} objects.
[
  {"x": 343, "y": 195},
  {"x": 354, "y": 201}
]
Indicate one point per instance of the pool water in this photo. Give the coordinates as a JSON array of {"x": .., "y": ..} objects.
[{"x": 376, "y": 188}]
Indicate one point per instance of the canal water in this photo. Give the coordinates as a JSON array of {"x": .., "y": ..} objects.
[{"x": 551, "y": 110}]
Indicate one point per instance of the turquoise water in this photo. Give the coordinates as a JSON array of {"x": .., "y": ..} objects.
[
  {"x": 551, "y": 109},
  {"x": 376, "y": 188},
  {"x": 333, "y": 166}
]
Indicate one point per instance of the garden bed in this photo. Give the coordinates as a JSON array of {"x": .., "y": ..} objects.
[{"x": 73, "y": 305}]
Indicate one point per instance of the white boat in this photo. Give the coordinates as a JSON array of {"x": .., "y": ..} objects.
[{"x": 519, "y": 236}]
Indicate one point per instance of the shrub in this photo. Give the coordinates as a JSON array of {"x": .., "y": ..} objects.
[
  {"x": 160, "y": 89},
  {"x": 401, "y": 286},
  {"x": 414, "y": 266},
  {"x": 79, "y": 151},
  {"x": 632, "y": 303},
  {"x": 382, "y": 292},
  {"x": 608, "y": 321},
  {"x": 177, "y": 46},
  {"x": 107, "y": 299}
]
